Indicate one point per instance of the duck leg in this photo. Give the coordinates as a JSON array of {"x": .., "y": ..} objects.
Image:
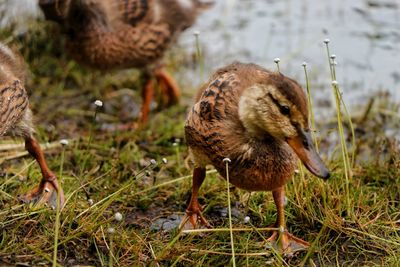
[
  {"x": 287, "y": 243},
  {"x": 147, "y": 96},
  {"x": 193, "y": 211},
  {"x": 46, "y": 191},
  {"x": 168, "y": 86}
]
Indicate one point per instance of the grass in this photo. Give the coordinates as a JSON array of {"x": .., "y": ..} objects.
[
  {"x": 114, "y": 170},
  {"x": 343, "y": 146}
]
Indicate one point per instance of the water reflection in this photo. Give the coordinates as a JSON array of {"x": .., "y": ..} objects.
[{"x": 364, "y": 35}]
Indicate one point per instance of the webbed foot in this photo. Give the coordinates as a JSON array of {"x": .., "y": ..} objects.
[{"x": 45, "y": 194}]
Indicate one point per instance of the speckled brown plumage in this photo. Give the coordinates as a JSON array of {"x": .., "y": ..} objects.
[
  {"x": 259, "y": 120},
  {"x": 13, "y": 106},
  {"x": 213, "y": 128},
  {"x": 16, "y": 120},
  {"x": 110, "y": 34},
  {"x": 13, "y": 97}
]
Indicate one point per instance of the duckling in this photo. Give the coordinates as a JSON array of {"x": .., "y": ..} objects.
[
  {"x": 16, "y": 120},
  {"x": 117, "y": 34},
  {"x": 259, "y": 120}
]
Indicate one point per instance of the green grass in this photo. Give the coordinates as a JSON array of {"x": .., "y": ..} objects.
[{"x": 114, "y": 170}]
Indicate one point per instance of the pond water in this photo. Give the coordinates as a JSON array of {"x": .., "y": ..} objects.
[{"x": 364, "y": 35}]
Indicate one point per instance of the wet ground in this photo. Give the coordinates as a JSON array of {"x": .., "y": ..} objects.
[{"x": 364, "y": 34}]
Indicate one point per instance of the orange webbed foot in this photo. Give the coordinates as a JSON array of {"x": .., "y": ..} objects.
[
  {"x": 193, "y": 216},
  {"x": 287, "y": 243},
  {"x": 45, "y": 194}
]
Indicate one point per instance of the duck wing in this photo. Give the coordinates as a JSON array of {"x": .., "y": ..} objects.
[{"x": 13, "y": 105}]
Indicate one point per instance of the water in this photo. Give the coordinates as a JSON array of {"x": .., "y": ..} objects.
[
  {"x": 18, "y": 13},
  {"x": 364, "y": 35}
]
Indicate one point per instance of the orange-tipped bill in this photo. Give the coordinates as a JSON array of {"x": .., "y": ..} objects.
[{"x": 304, "y": 148}]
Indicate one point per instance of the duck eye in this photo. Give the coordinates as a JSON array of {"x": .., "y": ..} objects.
[
  {"x": 305, "y": 143},
  {"x": 285, "y": 110}
]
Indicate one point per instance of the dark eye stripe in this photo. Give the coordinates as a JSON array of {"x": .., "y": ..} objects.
[{"x": 285, "y": 110}]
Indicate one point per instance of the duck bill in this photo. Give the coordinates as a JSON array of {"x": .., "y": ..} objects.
[{"x": 304, "y": 148}]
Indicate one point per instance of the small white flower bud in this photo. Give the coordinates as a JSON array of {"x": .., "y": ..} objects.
[
  {"x": 326, "y": 41},
  {"x": 153, "y": 162},
  {"x": 227, "y": 160},
  {"x": 277, "y": 59},
  {"x": 333, "y": 56},
  {"x": 285, "y": 201},
  {"x": 64, "y": 142},
  {"x": 98, "y": 103},
  {"x": 90, "y": 202},
  {"x": 304, "y": 64},
  {"x": 196, "y": 33},
  {"x": 111, "y": 230},
  {"x": 246, "y": 219},
  {"x": 296, "y": 171},
  {"x": 164, "y": 160},
  {"x": 174, "y": 144},
  {"x": 118, "y": 216},
  {"x": 335, "y": 83}
]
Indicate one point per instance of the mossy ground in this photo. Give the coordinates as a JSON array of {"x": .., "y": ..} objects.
[{"x": 115, "y": 172}]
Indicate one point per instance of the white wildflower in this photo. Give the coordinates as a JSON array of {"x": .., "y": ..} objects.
[
  {"x": 98, "y": 103},
  {"x": 285, "y": 201},
  {"x": 118, "y": 216},
  {"x": 227, "y": 160},
  {"x": 111, "y": 230},
  {"x": 64, "y": 142}
]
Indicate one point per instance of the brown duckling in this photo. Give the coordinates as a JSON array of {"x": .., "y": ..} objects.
[
  {"x": 259, "y": 120},
  {"x": 16, "y": 120},
  {"x": 116, "y": 34}
]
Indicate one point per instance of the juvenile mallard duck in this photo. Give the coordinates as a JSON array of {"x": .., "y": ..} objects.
[
  {"x": 259, "y": 120},
  {"x": 16, "y": 120},
  {"x": 111, "y": 34}
]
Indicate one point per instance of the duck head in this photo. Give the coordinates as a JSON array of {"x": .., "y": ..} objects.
[{"x": 277, "y": 105}]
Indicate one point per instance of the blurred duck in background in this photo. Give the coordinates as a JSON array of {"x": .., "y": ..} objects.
[{"x": 118, "y": 34}]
